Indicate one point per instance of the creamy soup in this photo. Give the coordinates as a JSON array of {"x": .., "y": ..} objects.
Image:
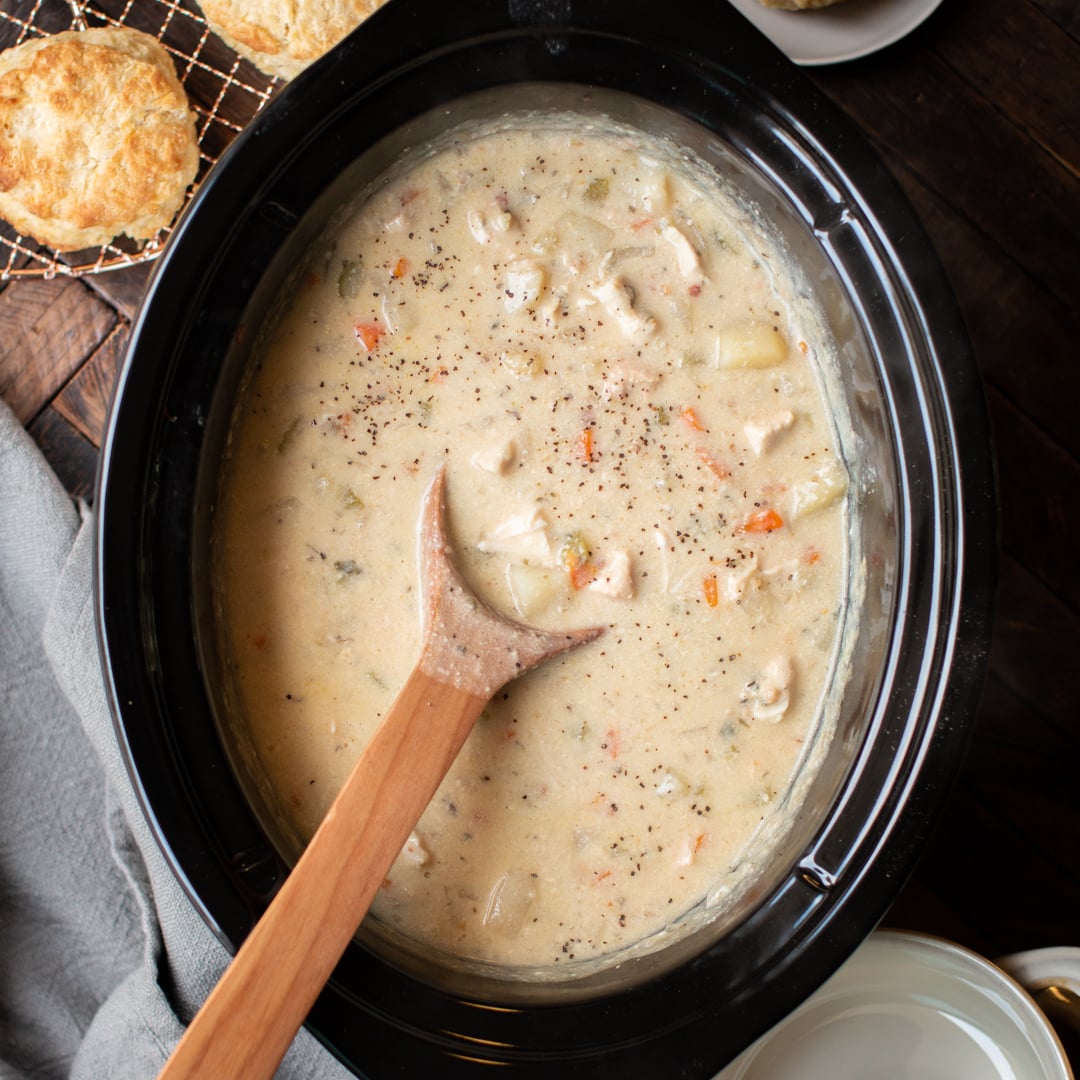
[{"x": 606, "y": 353}]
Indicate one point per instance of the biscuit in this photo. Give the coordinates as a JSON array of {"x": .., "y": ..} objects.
[
  {"x": 282, "y": 37},
  {"x": 96, "y": 138}
]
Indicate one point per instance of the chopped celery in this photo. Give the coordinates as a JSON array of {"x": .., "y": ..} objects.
[
  {"x": 349, "y": 277},
  {"x": 597, "y": 189}
]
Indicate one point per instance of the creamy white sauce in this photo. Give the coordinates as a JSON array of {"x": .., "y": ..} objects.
[{"x": 601, "y": 348}]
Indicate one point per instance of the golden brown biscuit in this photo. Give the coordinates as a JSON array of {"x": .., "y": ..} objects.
[
  {"x": 96, "y": 137},
  {"x": 797, "y": 5},
  {"x": 281, "y": 37}
]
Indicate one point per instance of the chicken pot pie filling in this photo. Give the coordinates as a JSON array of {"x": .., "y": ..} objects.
[{"x": 609, "y": 356}]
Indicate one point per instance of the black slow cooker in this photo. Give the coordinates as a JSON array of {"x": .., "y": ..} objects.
[{"x": 704, "y": 76}]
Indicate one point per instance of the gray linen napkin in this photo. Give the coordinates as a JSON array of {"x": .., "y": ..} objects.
[{"x": 102, "y": 956}]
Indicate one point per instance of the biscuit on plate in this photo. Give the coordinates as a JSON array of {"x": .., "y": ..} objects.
[
  {"x": 797, "y": 5},
  {"x": 282, "y": 37},
  {"x": 96, "y": 138}
]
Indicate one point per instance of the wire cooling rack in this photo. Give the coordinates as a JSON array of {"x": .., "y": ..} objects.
[{"x": 224, "y": 90}]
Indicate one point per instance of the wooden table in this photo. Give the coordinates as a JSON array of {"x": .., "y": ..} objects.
[{"x": 977, "y": 113}]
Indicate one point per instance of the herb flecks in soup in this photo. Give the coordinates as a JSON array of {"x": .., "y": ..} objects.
[{"x": 601, "y": 348}]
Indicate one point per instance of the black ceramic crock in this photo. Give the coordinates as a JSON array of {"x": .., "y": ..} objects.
[{"x": 697, "y": 71}]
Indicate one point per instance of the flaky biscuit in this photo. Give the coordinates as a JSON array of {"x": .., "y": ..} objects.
[
  {"x": 282, "y": 37},
  {"x": 96, "y": 137}
]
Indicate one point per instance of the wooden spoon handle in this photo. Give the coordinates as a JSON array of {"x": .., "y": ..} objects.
[{"x": 247, "y": 1023}]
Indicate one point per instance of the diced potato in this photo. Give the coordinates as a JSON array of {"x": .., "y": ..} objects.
[
  {"x": 522, "y": 284},
  {"x": 533, "y": 588},
  {"x": 522, "y": 535},
  {"x": 582, "y": 240},
  {"x": 654, "y": 190},
  {"x": 509, "y": 901},
  {"x": 827, "y": 485},
  {"x": 750, "y": 345}
]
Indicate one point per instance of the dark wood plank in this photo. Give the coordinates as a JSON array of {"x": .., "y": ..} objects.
[
  {"x": 1066, "y": 13},
  {"x": 1013, "y": 322},
  {"x": 1019, "y": 762},
  {"x": 1040, "y": 500},
  {"x": 84, "y": 401},
  {"x": 1036, "y": 648},
  {"x": 123, "y": 288},
  {"x": 920, "y": 908},
  {"x": 1009, "y": 67},
  {"x": 988, "y": 171},
  {"x": 47, "y": 331},
  {"x": 980, "y": 863},
  {"x": 72, "y": 457}
]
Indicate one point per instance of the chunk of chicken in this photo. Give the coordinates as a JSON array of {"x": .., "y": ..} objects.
[
  {"x": 496, "y": 457},
  {"x": 414, "y": 853},
  {"x": 622, "y": 378},
  {"x": 615, "y": 578},
  {"x": 686, "y": 256},
  {"x": 618, "y": 299},
  {"x": 769, "y": 696},
  {"x": 764, "y": 433},
  {"x": 489, "y": 222}
]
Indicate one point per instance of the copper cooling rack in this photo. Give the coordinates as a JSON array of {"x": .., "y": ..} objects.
[{"x": 224, "y": 90}]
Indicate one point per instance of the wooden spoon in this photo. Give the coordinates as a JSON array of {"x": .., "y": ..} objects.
[{"x": 468, "y": 652}]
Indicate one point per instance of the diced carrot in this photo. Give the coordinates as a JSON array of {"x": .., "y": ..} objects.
[
  {"x": 576, "y": 557},
  {"x": 811, "y": 556},
  {"x": 691, "y": 419},
  {"x": 699, "y": 842},
  {"x": 582, "y": 574},
  {"x": 716, "y": 467},
  {"x": 762, "y": 520},
  {"x": 712, "y": 593},
  {"x": 583, "y": 445},
  {"x": 400, "y": 268},
  {"x": 803, "y": 347},
  {"x": 368, "y": 334},
  {"x": 601, "y": 876}
]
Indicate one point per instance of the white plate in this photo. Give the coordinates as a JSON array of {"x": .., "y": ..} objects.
[
  {"x": 844, "y": 32},
  {"x": 1056, "y": 966},
  {"x": 909, "y": 1007}
]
